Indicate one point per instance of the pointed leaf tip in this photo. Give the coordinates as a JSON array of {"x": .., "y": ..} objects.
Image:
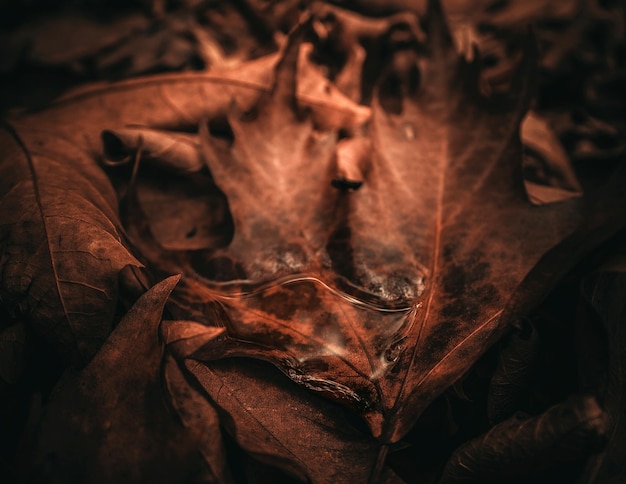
[
  {"x": 185, "y": 337},
  {"x": 156, "y": 297},
  {"x": 286, "y": 70},
  {"x": 439, "y": 36}
]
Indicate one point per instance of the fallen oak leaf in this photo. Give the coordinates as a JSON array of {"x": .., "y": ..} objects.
[
  {"x": 36, "y": 198},
  {"x": 424, "y": 269},
  {"x": 251, "y": 165}
]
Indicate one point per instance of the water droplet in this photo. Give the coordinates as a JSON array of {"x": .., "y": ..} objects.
[
  {"x": 395, "y": 350},
  {"x": 409, "y": 131}
]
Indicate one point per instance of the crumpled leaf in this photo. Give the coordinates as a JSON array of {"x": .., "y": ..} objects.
[
  {"x": 343, "y": 35},
  {"x": 605, "y": 290},
  {"x": 516, "y": 361},
  {"x": 59, "y": 209},
  {"x": 324, "y": 449},
  {"x": 383, "y": 297},
  {"x": 523, "y": 446},
  {"x": 548, "y": 174},
  {"x": 110, "y": 421},
  {"x": 177, "y": 152},
  {"x": 61, "y": 246}
]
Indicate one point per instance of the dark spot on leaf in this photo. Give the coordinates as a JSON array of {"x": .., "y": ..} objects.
[
  {"x": 340, "y": 251},
  {"x": 439, "y": 339},
  {"x": 345, "y": 184},
  {"x": 220, "y": 128},
  {"x": 448, "y": 250},
  {"x": 454, "y": 280},
  {"x": 114, "y": 148}
]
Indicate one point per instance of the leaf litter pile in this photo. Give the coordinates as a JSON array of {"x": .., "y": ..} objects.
[{"x": 290, "y": 241}]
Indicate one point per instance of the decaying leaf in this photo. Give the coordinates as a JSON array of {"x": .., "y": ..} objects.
[
  {"x": 284, "y": 426},
  {"x": 59, "y": 210},
  {"x": 382, "y": 297},
  {"x": 177, "y": 152},
  {"x": 261, "y": 410},
  {"x": 200, "y": 419},
  {"x": 377, "y": 252},
  {"x": 523, "y": 446},
  {"x": 516, "y": 361},
  {"x": 59, "y": 238},
  {"x": 110, "y": 422},
  {"x": 605, "y": 290}
]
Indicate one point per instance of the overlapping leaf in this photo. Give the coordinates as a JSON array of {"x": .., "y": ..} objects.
[
  {"x": 61, "y": 243},
  {"x": 110, "y": 421},
  {"x": 386, "y": 295},
  {"x": 605, "y": 290},
  {"x": 379, "y": 298}
]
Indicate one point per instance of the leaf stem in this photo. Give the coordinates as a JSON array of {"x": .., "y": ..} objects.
[{"x": 378, "y": 467}]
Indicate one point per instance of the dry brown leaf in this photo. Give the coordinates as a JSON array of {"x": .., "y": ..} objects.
[
  {"x": 60, "y": 239},
  {"x": 177, "y": 152},
  {"x": 523, "y": 446},
  {"x": 284, "y": 426},
  {"x": 183, "y": 212},
  {"x": 383, "y": 297},
  {"x": 59, "y": 210},
  {"x": 200, "y": 418},
  {"x": 605, "y": 290},
  {"x": 110, "y": 422}
]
